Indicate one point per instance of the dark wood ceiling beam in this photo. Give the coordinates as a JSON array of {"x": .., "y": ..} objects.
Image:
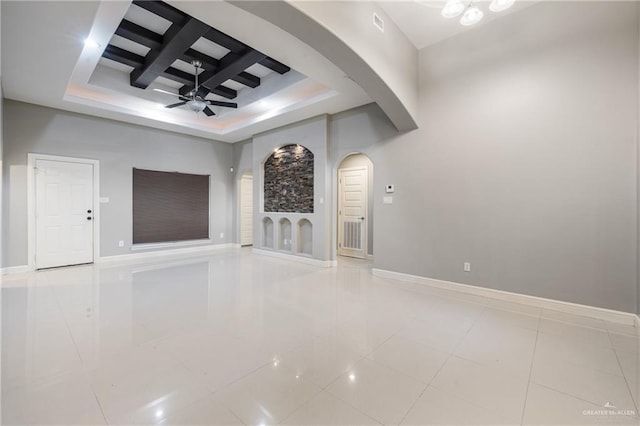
[
  {"x": 138, "y": 34},
  {"x": 225, "y": 41},
  {"x": 274, "y": 65},
  {"x": 230, "y": 66},
  {"x": 212, "y": 64},
  {"x": 247, "y": 79},
  {"x": 178, "y": 76},
  {"x": 208, "y": 63},
  {"x": 176, "y": 41},
  {"x": 223, "y": 91},
  {"x": 131, "y": 59},
  {"x": 163, "y": 10},
  {"x": 123, "y": 56}
]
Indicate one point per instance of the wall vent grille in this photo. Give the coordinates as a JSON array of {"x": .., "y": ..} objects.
[
  {"x": 378, "y": 22},
  {"x": 351, "y": 235}
]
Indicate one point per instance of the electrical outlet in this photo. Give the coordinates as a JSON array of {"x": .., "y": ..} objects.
[
  {"x": 467, "y": 267},
  {"x": 222, "y": 235},
  {"x": 120, "y": 243}
]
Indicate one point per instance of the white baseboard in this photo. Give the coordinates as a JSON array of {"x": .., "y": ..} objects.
[
  {"x": 163, "y": 253},
  {"x": 14, "y": 270},
  {"x": 293, "y": 257},
  {"x": 540, "y": 302}
]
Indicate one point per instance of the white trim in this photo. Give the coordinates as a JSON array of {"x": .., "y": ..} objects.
[
  {"x": 164, "y": 253},
  {"x": 14, "y": 270},
  {"x": 540, "y": 302},
  {"x": 295, "y": 258},
  {"x": 31, "y": 202},
  {"x": 365, "y": 231},
  {"x": 148, "y": 246}
]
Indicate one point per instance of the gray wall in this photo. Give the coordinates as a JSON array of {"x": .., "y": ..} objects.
[
  {"x": 119, "y": 147},
  {"x": 312, "y": 134},
  {"x": 242, "y": 165},
  {"x": 525, "y": 161}
]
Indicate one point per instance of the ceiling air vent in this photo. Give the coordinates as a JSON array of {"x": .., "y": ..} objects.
[{"x": 378, "y": 22}]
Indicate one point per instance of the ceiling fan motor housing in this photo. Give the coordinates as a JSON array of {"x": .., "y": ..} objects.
[{"x": 196, "y": 105}]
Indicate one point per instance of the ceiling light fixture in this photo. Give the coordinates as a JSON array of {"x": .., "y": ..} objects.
[
  {"x": 500, "y": 5},
  {"x": 196, "y": 105},
  {"x": 471, "y": 16},
  {"x": 453, "y": 8},
  {"x": 89, "y": 42},
  {"x": 471, "y": 13}
]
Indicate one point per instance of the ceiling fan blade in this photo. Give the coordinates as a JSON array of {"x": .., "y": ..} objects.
[
  {"x": 208, "y": 111},
  {"x": 167, "y": 93},
  {"x": 176, "y": 105},
  {"x": 177, "y": 95},
  {"x": 222, "y": 104}
]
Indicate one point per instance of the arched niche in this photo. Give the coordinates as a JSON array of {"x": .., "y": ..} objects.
[
  {"x": 284, "y": 242},
  {"x": 288, "y": 180},
  {"x": 305, "y": 237},
  {"x": 267, "y": 232}
]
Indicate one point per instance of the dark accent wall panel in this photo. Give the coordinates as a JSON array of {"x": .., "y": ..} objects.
[
  {"x": 288, "y": 180},
  {"x": 169, "y": 206}
]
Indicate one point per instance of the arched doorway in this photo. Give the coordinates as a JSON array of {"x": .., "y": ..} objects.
[{"x": 355, "y": 207}]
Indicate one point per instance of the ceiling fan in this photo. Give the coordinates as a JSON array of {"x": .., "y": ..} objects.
[{"x": 194, "y": 101}]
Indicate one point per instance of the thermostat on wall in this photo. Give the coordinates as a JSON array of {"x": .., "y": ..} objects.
[{"x": 390, "y": 189}]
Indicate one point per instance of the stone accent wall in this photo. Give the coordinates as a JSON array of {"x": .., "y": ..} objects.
[{"x": 288, "y": 180}]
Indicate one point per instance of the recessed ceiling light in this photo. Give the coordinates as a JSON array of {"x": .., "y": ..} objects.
[
  {"x": 89, "y": 42},
  {"x": 500, "y": 5},
  {"x": 453, "y": 8},
  {"x": 471, "y": 16}
]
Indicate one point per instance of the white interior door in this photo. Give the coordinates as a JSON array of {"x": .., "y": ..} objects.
[
  {"x": 352, "y": 212},
  {"x": 246, "y": 210},
  {"x": 64, "y": 213}
]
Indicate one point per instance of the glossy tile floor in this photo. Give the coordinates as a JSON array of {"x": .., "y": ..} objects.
[{"x": 235, "y": 338}]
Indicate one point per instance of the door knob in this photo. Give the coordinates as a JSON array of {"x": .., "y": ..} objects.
[
  {"x": 89, "y": 218},
  {"x": 88, "y": 211},
  {"x": 362, "y": 218}
]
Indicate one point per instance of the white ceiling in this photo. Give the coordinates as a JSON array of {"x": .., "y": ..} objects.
[
  {"x": 45, "y": 62},
  {"x": 49, "y": 65},
  {"x": 423, "y": 25}
]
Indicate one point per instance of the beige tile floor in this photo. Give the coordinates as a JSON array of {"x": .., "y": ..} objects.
[{"x": 235, "y": 338}]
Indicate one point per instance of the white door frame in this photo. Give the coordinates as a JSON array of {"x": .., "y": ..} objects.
[
  {"x": 365, "y": 222},
  {"x": 31, "y": 203},
  {"x": 244, "y": 176}
]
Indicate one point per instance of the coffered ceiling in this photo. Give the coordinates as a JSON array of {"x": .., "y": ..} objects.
[{"x": 139, "y": 61}]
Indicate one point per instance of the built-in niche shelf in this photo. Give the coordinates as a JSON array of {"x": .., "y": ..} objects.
[
  {"x": 284, "y": 236},
  {"x": 305, "y": 237},
  {"x": 288, "y": 235},
  {"x": 267, "y": 233}
]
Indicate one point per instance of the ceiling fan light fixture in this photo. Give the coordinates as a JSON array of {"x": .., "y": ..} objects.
[
  {"x": 500, "y": 5},
  {"x": 453, "y": 8},
  {"x": 471, "y": 16},
  {"x": 196, "y": 105}
]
